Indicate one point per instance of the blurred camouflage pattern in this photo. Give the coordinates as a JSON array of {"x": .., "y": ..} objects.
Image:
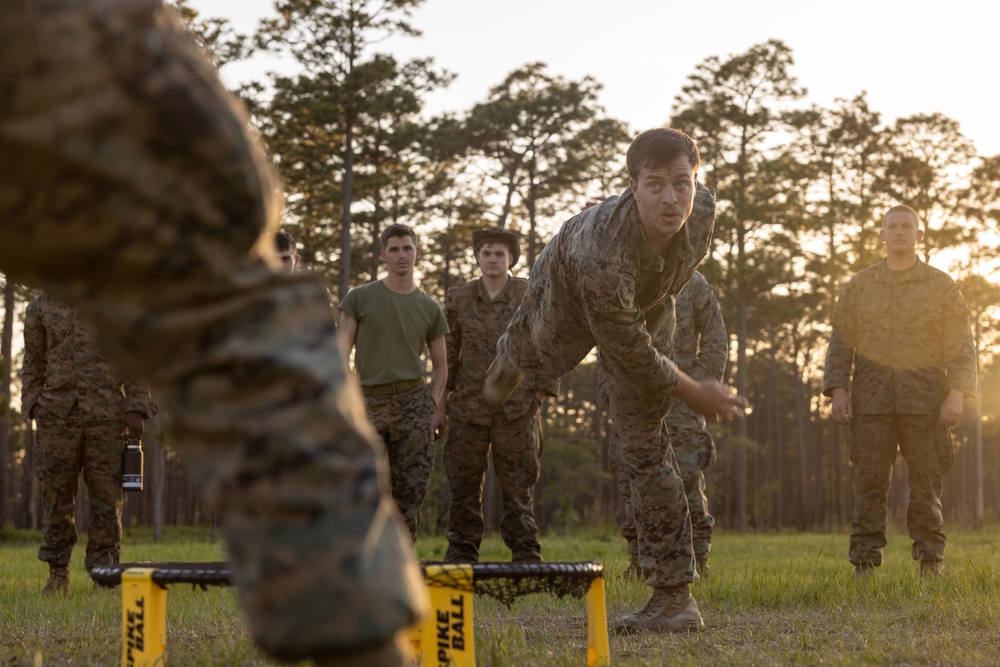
[
  {"x": 131, "y": 185},
  {"x": 593, "y": 285}
]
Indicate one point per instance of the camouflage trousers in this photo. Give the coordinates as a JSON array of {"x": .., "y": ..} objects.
[
  {"x": 929, "y": 453},
  {"x": 403, "y": 421},
  {"x": 131, "y": 186},
  {"x": 693, "y": 451},
  {"x": 655, "y": 487},
  {"x": 514, "y": 445},
  {"x": 659, "y": 502},
  {"x": 64, "y": 449}
]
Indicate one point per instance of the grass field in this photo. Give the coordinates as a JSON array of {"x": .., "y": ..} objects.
[{"x": 770, "y": 600}]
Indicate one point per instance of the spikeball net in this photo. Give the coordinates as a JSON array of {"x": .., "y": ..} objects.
[
  {"x": 444, "y": 637},
  {"x": 506, "y": 582}
]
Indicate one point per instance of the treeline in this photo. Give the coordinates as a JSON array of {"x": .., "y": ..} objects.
[{"x": 800, "y": 192}]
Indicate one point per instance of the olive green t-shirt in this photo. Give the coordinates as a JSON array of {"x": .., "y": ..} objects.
[{"x": 393, "y": 332}]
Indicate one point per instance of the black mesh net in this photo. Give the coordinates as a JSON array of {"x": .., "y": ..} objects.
[
  {"x": 501, "y": 581},
  {"x": 507, "y": 581}
]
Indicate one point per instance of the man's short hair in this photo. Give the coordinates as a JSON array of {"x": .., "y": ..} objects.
[
  {"x": 902, "y": 208},
  {"x": 657, "y": 148},
  {"x": 397, "y": 229},
  {"x": 284, "y": 242}
]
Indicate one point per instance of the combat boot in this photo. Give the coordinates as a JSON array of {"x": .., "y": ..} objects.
[
  {"x": 58, "y": 581},
  {"x": 502, "y": 380},
  {"x": 669, "y": 609},
  {"x": 394, "y": 652},
  {"x": 701, "y": 562},
  {"x": 930, "y": 568}
]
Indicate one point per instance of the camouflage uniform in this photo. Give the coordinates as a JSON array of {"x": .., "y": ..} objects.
[
  {"x": 474, "y": 428},
  {"x": 907, "y": 337},
  {"x": 130, "y": 186},
  {"x": 403, "y": 421},
  {"x": 701, "y": 348},
  {"x": 594, "y": 284},
  {"x": 78, "y": 401},
  {"x": 695, "y": 338},
  {"x": 661, "y": 322},
  {"x": 399, "y": 404}
]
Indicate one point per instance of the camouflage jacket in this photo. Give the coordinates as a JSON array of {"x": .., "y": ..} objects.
[
  {"x": 699, "y": 344},
  {"x": 906, "y": 336},
  {"x": 62, "y": 370},
  {"x": 602, "y": 283},
  {"x": 472, "y": 346}
]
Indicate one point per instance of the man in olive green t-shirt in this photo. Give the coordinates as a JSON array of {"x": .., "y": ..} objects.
[{"x": 391, "y": 322}]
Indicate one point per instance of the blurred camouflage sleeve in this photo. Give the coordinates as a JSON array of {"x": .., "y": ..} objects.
[
  {"x": 959, "y": 347},
  {"x": 713, "y": 345},
  {"x": 33, "y": 367},
  {"x": 132, "y": 185},
  {"x": 840, "y": 350}
]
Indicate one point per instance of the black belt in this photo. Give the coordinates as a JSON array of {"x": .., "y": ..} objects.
[{"x": 391, "y": 388}]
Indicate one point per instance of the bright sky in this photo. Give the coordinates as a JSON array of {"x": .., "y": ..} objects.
[{"x": 911, "y": 57}]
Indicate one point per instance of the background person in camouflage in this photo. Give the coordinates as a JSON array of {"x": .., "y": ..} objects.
[
  {"x": 903, "y": 328},
  {"x": 130, "y": 186},
  {"x": 592, "y": 285},
  {"x": 391, "y": 322},
  {"x": 699, "y": 346},
  {"x": 82, "y": 406},
  {"x": 478, "y": 312}
]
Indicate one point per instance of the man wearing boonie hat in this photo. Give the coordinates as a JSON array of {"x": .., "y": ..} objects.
[{"x": 478, "y": 312}]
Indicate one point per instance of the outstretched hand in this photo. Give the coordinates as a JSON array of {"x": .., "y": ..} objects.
[{"x": 711, "y": 398}]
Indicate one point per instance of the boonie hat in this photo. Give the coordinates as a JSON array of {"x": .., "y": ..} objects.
[{"x": 498, "y": 235}]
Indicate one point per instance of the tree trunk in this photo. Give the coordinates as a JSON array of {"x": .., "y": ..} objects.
[
  {"x": 740, "y": 425},
  {"x": 6, "y": 367},
  {"x": 345, "y": 223}
]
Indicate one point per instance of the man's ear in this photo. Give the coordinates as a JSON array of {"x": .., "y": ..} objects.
[
  {"x": 920, "y": 234},
  {"x": 634, "y": 186}
]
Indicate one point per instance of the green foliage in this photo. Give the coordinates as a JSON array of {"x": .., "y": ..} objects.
[
  {"x": 571, "y": 481},
  {"x": 216, "y": 36}
]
